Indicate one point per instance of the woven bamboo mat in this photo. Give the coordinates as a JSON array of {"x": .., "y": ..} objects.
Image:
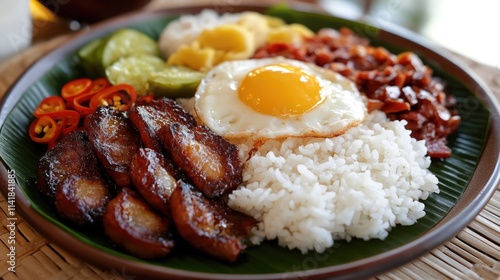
[{"x": 473, "y": 254}]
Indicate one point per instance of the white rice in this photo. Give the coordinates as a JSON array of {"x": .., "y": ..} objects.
[{"x": 306, "y": 193}]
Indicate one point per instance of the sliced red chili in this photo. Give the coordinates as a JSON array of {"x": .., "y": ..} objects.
[
  {"x": 44, "y": 130},
  {"x": 49, "y": 105},
  {"x": 82, "y": 103},
  {"x": 76, "y": 88},
  {"x": 99, "y": 84},
  {"x": 67, "y": 120},
  {"x": 121, "y": 96}
]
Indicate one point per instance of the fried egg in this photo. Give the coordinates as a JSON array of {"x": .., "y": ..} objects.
[{"x": 274, "y": 98}]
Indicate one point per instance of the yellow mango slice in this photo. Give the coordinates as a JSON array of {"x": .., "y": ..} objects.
[
  {"x": 193, "y": 56},
  {"x": 292, "y": 33}
]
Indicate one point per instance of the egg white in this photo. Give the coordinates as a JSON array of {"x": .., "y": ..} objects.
[{"x": 218, "y": 106}]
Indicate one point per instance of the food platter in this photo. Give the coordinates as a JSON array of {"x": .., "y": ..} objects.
[{"x": 468, "y": 178}]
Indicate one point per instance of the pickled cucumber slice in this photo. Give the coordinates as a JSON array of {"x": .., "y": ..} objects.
[
  {"x": 135, "y": 70},
  {"x": 174, "y": 82},
  {"x": 125, "y": 42},
  {"x": 99, "y": 54},
  {"x": 89, "y": 58}
]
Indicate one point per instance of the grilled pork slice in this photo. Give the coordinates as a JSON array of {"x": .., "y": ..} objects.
[
  {"x": 150, "y": 117},
  {"x": 114, "y": 140},
  {"x": 69, "y": 174},
  {"x": 151, "y": 175},
  {"x": 209, "y": 225},
  {"x": 134, "y": 226},
  {"x": 71, "y": 155},
  {"x": 209, "y": 160},
  {"x": 82, "y": 200}
]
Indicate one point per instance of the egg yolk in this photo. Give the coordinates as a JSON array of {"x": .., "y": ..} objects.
[{"x": 280, "y": 90}]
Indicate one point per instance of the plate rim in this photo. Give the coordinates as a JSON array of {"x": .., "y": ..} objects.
[{"x": 359, "y": 268}]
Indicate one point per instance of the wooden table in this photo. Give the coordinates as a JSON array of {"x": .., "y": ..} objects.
[{"x": 473, "y": 254}]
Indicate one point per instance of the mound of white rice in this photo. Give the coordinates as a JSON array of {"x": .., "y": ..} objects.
[{"x": 306, "y": 193}]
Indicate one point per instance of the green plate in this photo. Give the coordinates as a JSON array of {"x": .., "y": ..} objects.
[{"x": 467, "y": 179}]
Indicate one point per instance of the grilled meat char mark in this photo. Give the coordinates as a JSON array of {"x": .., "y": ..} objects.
[
  {"x": 150, "y": 117},
  {"x": 152, "y": 179},
  {"x": 210, "y": 161},
  {"x": 208, "y": 224},
  {"x": 114, "y": 140},
  {"x": 69, "y": 174},
  {"x": 134, "y": 226}
]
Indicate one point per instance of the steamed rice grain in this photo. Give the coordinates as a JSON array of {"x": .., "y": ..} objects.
[{"x": 308, "y": 192}]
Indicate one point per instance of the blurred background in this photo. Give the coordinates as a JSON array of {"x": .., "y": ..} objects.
[{"x": 466, "y": 27}]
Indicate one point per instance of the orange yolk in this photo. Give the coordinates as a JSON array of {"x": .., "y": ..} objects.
[{"x": 280, "y": 90}]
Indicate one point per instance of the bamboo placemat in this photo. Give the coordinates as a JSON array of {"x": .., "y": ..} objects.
[{"x": 473, "y": 254}]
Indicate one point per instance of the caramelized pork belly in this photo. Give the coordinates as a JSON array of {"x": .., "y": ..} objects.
[
  {"x": 71, "y": 155},
  {"x": 209, "y": 225},
  {"x": 150, "y": 117},
  {"x": 209, "y": 160},
  {"x": 82, "y": 200},
  {"x": 151, "y": 176},
  {"x": 70, "y": 174},
  {"x": 114, "y": 140},
  {"x": 134, "y": 226}
]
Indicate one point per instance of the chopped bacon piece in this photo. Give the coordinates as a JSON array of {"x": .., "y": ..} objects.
[{"x": 438, "y": 149}]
